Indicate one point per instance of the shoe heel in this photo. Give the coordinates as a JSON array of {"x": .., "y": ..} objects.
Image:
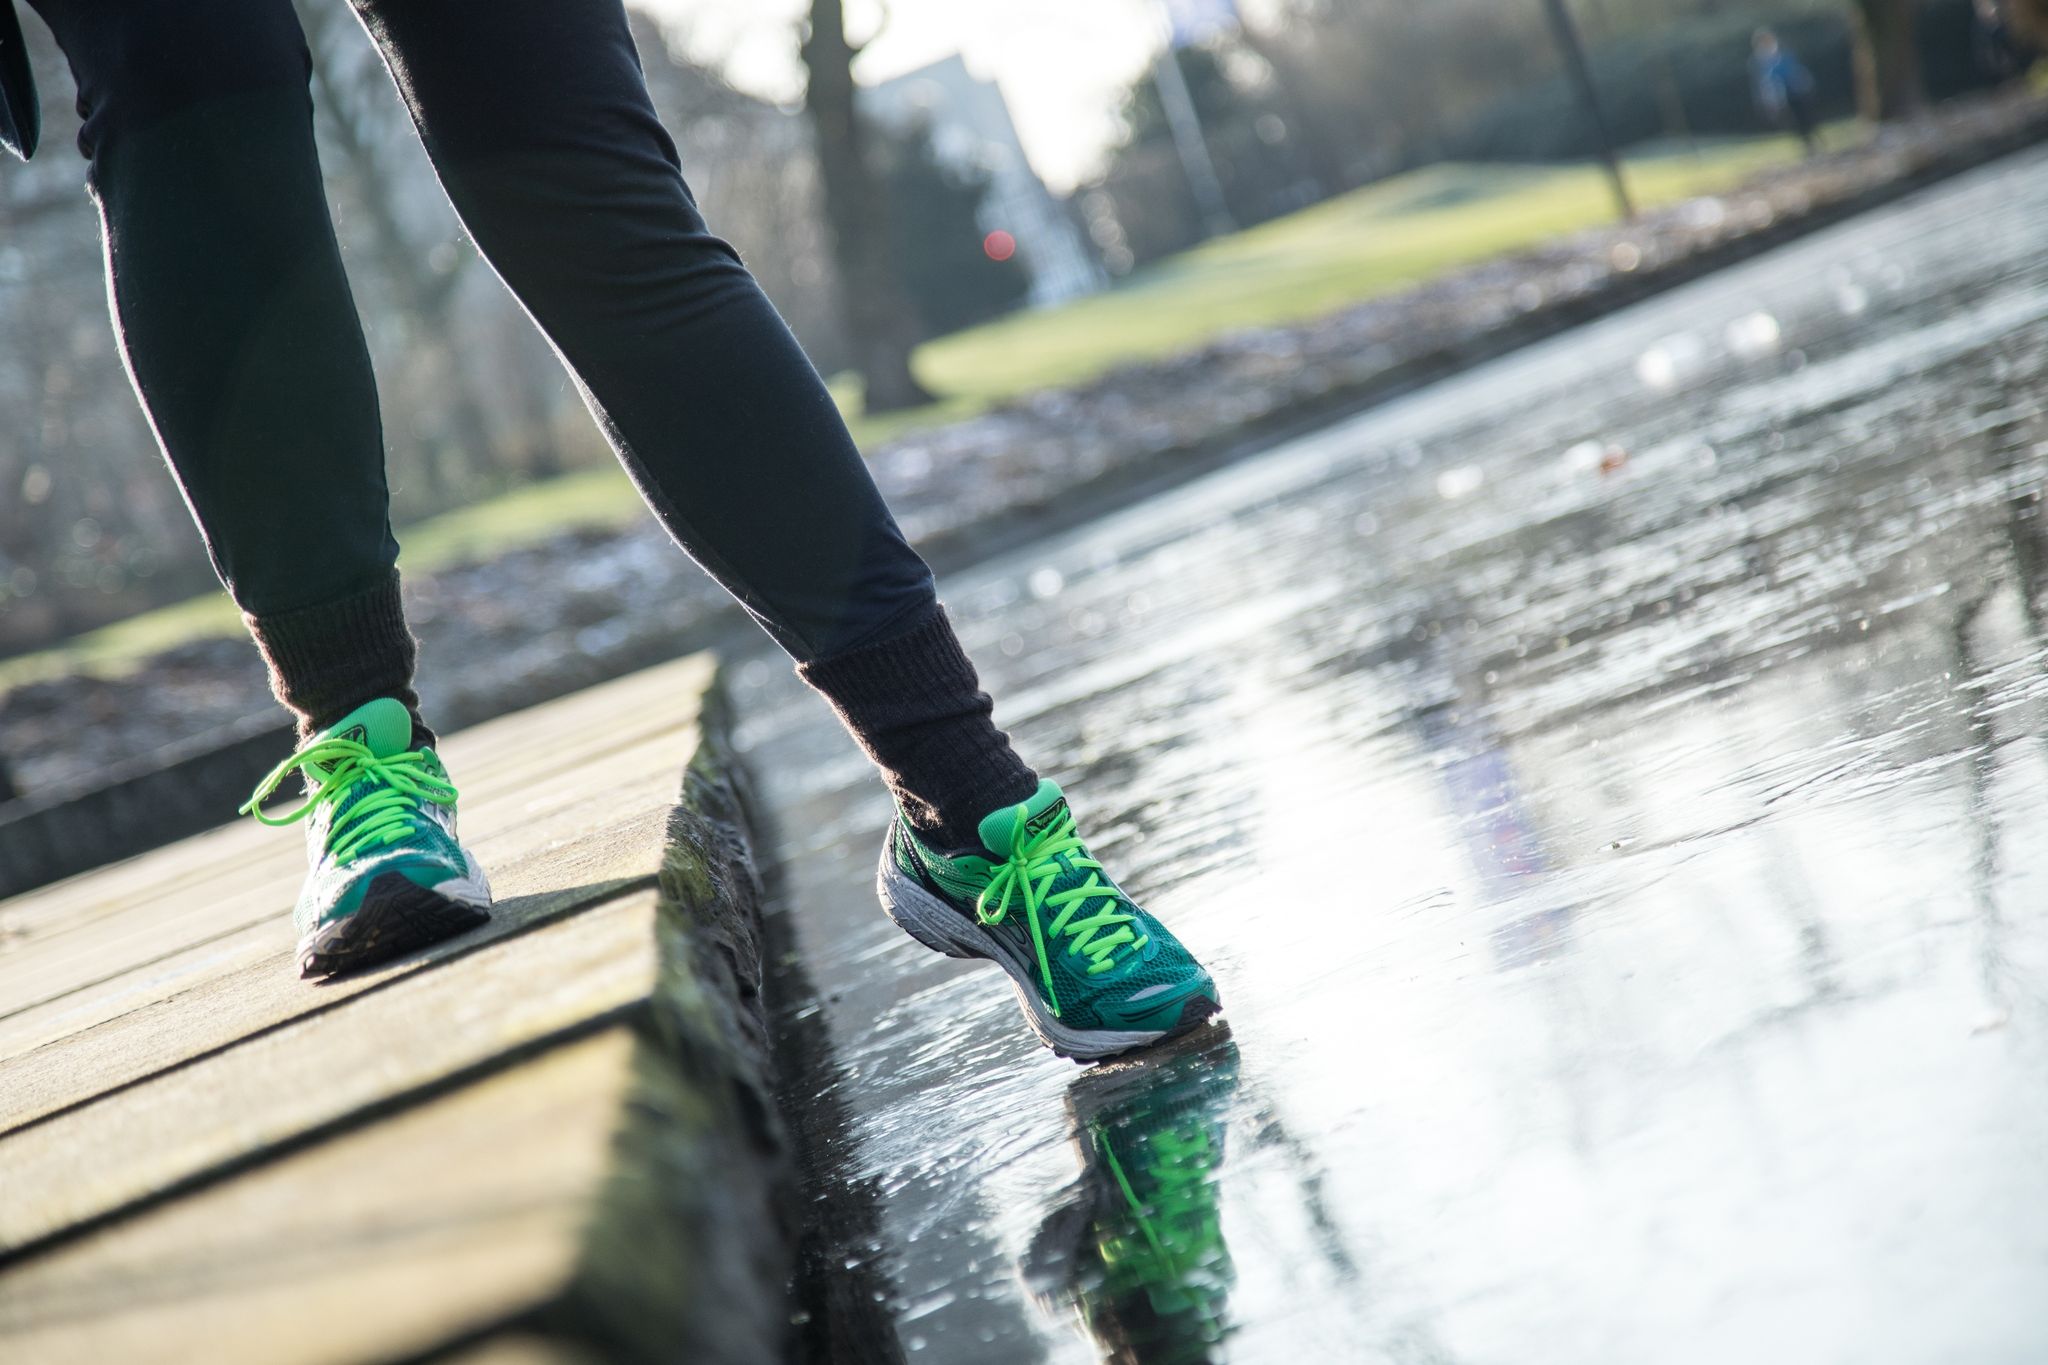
[{"x": 917, "y": 913}]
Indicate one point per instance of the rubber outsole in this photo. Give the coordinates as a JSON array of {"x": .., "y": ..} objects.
[
  {"x": 396, "y": 917},
  {"x": 938, "y": 926}
]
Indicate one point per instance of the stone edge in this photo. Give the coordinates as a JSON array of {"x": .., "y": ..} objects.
[{"x": 687, "y": 1253}]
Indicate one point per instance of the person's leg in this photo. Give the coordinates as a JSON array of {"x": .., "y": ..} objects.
[
  {"x": 539, "y": 124},
  {"x": 1801, "y": 107},
  {"x": 537, "y": 119},
  {"x": 238, "y": 330},
  {"x": 241, "y": 338}
]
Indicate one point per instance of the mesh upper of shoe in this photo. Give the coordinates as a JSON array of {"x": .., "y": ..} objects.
[{"x": 1154, "y": 961}]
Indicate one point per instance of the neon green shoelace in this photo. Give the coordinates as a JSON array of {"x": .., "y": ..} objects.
[
  {"x": 1030, "y": 870},
  {"x": 388, "y": 815}
]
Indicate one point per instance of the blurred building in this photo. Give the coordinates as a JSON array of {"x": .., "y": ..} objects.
[{"x": 972, "y": 132}]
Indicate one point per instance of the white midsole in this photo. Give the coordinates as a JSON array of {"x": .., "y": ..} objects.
[{"x": 943, "y": 929}]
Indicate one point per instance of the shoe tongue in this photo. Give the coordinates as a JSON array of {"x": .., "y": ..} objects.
[
  {"x": 1002, "y": 830},
  {"x": 383, "y": 725}
]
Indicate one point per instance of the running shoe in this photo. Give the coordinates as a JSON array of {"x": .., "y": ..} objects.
[
  {"x": 1096, "y": 975},
  {"x": 388, "y": 874}
]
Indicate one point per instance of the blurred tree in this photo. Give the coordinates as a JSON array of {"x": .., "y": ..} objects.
[
  {"x": 1217, "y": 100},
  {"x": 881, "y": 326},
  {"x": 1374, "y": 86},
  {"x": 1574, "y": 53},
  {"x": 2029, "y": 20},
  {"x": 1312, "y": 134},
  {"x": 938, "y": 245},
  {"x": 1246, "y": 130},
  {"x": 1888, "y": 80}
]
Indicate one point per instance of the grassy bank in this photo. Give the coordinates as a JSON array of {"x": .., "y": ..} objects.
[
  {"x": 1370, "y": 242},
  {"x": 1344, "y": 251},
  {"x": 522, "y": 517}
]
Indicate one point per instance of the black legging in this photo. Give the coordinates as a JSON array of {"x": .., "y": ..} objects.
[{"x": 238, "y": 326}]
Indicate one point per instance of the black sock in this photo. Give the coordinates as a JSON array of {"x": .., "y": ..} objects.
[
  {"x": 327, "y": 660},
  {"x": 912, "y": 702}
]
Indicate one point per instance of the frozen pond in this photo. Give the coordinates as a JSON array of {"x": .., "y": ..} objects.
[{"x": 1610, "y": 788}]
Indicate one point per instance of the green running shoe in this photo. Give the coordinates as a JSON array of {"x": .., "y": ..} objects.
[
  {"x": 1097, "y": 976},
  {"x": 388, "y": 875}
]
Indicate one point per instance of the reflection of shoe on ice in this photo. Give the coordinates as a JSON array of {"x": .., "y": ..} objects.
[{"x": 1136, "y": 1247}]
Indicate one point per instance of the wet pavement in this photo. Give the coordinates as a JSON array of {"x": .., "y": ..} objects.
[{"x": 1610, "y": 788}]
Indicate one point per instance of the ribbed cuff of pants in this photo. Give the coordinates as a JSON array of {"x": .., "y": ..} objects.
[
  {"x": 913, "y": 703},
  {"x": 327, "y": 660}
]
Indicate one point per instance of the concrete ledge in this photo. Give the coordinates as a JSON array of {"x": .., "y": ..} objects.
[{"x": 555, "y": 1136}]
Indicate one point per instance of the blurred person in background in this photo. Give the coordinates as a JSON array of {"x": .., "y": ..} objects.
[
  {"x": 1782, "y": 86},
  {"x": 239, "y": 332}
]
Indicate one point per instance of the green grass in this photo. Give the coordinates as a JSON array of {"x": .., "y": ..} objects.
[
  {"x": 1343, "y": 251},
  {"x": 525, "y": 516},
  {"x": 1338, "y": 253}
]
